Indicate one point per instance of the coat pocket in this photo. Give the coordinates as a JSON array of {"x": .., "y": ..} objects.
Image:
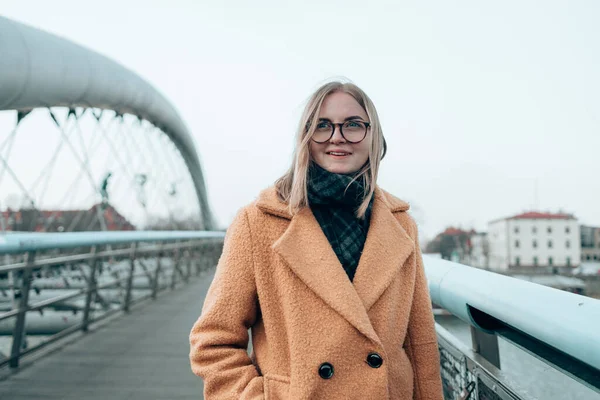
[{"x": 277, "y": 387}]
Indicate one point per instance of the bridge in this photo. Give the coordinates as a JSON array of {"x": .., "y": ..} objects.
[{"x": 92, "y": 308}]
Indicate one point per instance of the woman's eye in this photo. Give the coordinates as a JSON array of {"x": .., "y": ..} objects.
[
  {"x": 353, "y": 124},
  {"x": 323, "y": 125}
]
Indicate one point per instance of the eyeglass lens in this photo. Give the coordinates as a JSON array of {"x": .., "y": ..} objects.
[{"x": 353, "y": 131}]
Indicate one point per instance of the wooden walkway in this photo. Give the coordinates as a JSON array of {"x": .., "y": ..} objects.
[{"x": 143, "y": 355}]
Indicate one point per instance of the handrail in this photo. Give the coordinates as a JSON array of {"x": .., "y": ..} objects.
[
  {"x": 23, "y": 242},
  {"x": 188, "y": 249},
  {"x": 513, "y": 308},
  {"x": 525, "y": 313}
]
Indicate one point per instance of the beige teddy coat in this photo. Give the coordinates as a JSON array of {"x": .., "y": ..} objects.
[{"x": 279, "y": 277}]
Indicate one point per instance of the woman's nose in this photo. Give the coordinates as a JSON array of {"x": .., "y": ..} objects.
[{"x": 337, "y": 135}]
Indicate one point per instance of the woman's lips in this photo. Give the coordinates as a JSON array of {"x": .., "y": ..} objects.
[{"x": 338, "y": 154}]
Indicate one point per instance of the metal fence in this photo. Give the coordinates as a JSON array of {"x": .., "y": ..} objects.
[
  {"x": 94, "y": 275},
  {"x": 55, "y": 284},
  {"x": 561, "y": 329}
]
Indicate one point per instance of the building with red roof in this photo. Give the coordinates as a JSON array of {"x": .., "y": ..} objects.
[
  {"x": 99, "y": 217},
  {"x": 533, "y": 239}
]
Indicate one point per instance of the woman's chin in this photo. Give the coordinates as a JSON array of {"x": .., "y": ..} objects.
[{"x": 339, "y": 168}]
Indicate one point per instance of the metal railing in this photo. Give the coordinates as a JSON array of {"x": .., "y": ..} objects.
[
  {"x": 113, "y": 270},
  {"x": 560, "y": 328},
  {"x": 557, "y": 327}
]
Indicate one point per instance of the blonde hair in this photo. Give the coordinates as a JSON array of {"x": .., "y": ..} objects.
[{"x": 292, "y": 186}]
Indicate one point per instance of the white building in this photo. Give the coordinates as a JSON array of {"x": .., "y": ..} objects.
[
  {"x": 534, "y": 239},
  {"x": 590, "y": 243}
]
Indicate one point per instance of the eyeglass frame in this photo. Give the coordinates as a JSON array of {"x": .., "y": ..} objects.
[{"x": 339, "y": 125}]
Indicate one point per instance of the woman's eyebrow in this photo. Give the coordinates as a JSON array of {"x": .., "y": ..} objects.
[
  {"x": 354, "y": 117},
  {"x": 345, "y": 119}
]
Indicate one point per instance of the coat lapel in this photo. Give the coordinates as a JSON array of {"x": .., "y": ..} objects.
[
  {"x": 306, "y": 250},
  {"x": 386, "y": 249}
]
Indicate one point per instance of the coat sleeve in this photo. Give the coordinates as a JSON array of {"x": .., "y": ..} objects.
[
  {"x": 421, "y": 341},
  {"x": 219, "y": 338}
]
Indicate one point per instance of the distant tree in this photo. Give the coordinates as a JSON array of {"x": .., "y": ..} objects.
[
  {"x": 447, "y": 246},
  {"x": 452, "y": 241},
  {"x": 29, "y": 219}
]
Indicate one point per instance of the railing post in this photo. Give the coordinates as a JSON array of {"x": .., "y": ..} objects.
[
  {"x": 19, "y": 331},
  {"x": 176, "y": 259},
  {"x": 188, "y": 275},
  {"x": 157, "y": 273},
  {"x": 130, "y": 277},
  {"x": 214, "y": 254},
  {"x": 205, "y": 256},
  {"x": 196, "y": 258},
  {"x": 486, "y": 344},
  {"x": 91, "y": 289},
  {"x": 217, "y": 253}
]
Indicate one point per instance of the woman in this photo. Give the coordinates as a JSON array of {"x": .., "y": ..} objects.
[{"x": 325, "y": 270}]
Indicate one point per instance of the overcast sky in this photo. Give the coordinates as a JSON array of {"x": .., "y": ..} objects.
[{"x": 478, "y": 100}]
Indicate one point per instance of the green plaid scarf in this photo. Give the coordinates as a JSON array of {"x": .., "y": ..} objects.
[{"x": 336, "y": 213}]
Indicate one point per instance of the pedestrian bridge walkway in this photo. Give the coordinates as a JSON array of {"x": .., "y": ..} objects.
[{"x": 143, "y": 355}]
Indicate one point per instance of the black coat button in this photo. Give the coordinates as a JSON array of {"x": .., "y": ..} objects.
[
  {"x": 326, "y": 371},
  {"x": 374, "y": 360}
]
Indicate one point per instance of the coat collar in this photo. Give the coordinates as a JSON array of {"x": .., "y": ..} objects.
[
  {"x": 309, "y": 255},
  {"x": 269, "y": 202}
]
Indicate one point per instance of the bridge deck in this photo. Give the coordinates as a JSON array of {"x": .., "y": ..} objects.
[{"x": 140, "y": 356}]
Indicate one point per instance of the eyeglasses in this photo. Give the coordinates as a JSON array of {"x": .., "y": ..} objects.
[{"x": 353, "y": 131}]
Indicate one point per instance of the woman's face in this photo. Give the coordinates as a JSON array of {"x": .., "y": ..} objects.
[{"x": 347, "y": 157}]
